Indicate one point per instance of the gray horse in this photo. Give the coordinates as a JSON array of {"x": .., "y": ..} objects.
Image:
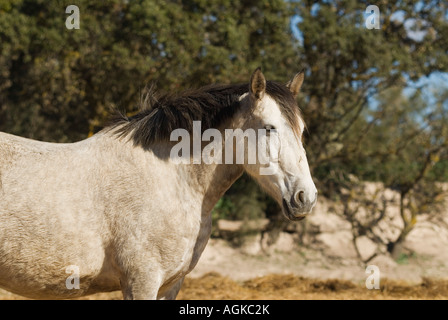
[{"x": 115, "y": 211}]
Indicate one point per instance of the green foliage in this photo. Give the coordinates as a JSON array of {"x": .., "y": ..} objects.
[
  {"x": 58, "y": 84},
  {"x": 347, "y": 66},
  {"x": 404, "y": 258},
  {"x": 223, "y": 209}
]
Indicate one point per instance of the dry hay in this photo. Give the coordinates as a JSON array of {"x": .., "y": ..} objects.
[{"x": 290, "y": 287}]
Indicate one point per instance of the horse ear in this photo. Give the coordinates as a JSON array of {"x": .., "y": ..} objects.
[
  {"x": 295, "y": 84},
  {"x": 257, "y": 84}
]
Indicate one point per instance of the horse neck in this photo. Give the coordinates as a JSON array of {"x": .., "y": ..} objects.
[{"x": 212, "y": 181}]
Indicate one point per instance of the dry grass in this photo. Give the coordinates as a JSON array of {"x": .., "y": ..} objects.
[
  {"x": 290, "y": 287},
  {"x": 213, "y": 286}
]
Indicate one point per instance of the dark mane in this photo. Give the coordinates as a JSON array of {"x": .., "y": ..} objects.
[{"x": 212, "y": 105}]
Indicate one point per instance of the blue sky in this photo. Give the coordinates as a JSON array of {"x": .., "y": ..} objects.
[{"x": 435, "y": 81}]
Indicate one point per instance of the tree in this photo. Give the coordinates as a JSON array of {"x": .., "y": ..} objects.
[
  {"x": 359, "y": 122},
  {"x": 348, "y": 64},
  {"x": 58, "y": 84},
  {"x": 406, "y": 148}
]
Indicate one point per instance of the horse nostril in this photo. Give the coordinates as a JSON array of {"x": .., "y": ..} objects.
[{"x": 300, "y": 197}]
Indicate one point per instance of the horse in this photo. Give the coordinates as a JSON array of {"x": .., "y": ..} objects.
[{"x": 116, "y": 212}]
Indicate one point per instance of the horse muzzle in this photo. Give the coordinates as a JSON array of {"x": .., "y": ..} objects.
[{"x": 298, "y": 206}]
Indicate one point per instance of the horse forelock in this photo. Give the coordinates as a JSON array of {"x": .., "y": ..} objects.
[{"x": 288, "y": 106}]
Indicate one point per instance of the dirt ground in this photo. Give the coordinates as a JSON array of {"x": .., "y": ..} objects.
[
  {"x": 213, "y": 286},
  {"x": 291, "y": 287}
]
